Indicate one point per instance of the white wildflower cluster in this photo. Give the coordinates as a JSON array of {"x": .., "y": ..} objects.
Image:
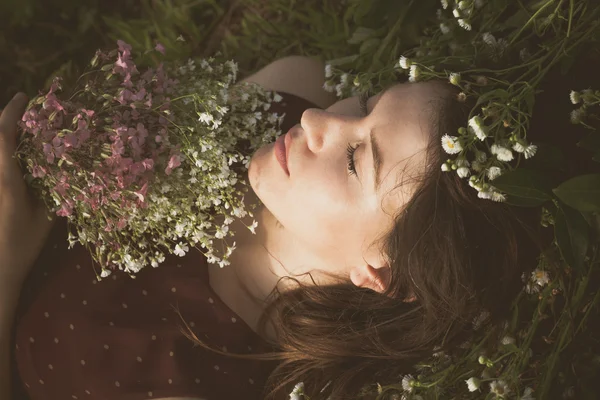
[
  {"x": 414, "y": 71},
  {"x": 342, "y": 88},
  {"x": 587, "y": 98},
  {"x": 214, "y": 116},
  {"x": 536, "y": 281},
  {"x": 462, "y": 12},
  {"x": 484, "y": 167}
]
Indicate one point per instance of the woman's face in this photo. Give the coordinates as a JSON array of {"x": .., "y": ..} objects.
[{"x": 333, "y": 214}]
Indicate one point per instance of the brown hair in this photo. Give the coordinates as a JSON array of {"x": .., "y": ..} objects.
[{"x": 459, "y": 255}]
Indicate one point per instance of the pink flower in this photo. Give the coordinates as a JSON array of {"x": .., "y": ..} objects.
[
  {"x": 38, "y": 172},
  {"x": 65, "y": 210},
  {"x": 142, "y": 192},
  {"x": 148, "y": 163},
  {"x": 174, "y": 162},
  {"x": 160, "y": 48}
]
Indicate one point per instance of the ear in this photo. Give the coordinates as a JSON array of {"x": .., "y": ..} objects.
[{"x": 377, "y": 279}]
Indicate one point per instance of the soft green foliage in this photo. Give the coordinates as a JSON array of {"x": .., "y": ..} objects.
[{"x": 550, "y": 341}]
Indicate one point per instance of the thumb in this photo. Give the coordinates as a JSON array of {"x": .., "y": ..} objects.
[{"x": 11, "y": 115}]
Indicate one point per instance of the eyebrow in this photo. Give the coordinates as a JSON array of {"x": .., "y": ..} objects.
[
  {"x": 377, "y": 162},
  {"x": 377, "y": 153}
]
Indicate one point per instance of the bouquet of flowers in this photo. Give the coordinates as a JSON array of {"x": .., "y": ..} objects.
[{"x": 142, "y": 162}]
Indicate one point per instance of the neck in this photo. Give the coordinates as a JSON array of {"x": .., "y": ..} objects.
[{"x": 261, "y": 259}]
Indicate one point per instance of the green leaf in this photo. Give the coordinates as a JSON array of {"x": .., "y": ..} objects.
[
  {"x": 342, "y": 60},
  {"x": 361, "y": 34},
  {"x": 582, "y": 192},
  {"x": 572, "y": 235},
  {"x": 369, "y": 45},
  {"x": 524, "y": 187}
]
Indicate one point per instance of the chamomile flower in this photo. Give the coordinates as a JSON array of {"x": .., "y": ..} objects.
[
  {"x": 404, "y": 63},
  {"x": 530, "y": 151},
  {"x": 540, "y": 277},
  {"x": 499, "y": 388},
  {"x": 451, "y": 144},
  {"x": 473, "y": 384},
  {"x": 501, "y": 153},
  {"x": 493, "y": 173},
  {"x": 414, "y": 73},
  {"x": 407, "y": 383},
  {"x": 575, "y": 97},
  {"x": 476, "y": 124}
]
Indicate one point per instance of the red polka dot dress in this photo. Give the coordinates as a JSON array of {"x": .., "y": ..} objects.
[{"x": 121, "y": 338}]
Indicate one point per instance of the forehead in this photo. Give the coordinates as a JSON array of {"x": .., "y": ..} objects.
[{"x": 401, "y": 124}]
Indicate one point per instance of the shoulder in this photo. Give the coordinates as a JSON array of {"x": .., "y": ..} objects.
[{"x": 299, "y": 75}]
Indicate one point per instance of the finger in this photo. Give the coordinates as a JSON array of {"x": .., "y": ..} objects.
[{"x": 12, "y": 114}]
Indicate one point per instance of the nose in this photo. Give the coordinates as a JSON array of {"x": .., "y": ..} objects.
[{"x": 323, "y": 128}]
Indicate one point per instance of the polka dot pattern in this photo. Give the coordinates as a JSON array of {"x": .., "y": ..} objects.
[{"x": 120, "y": 338}]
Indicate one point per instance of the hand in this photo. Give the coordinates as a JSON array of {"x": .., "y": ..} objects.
[{"x": 24, "y": 224}]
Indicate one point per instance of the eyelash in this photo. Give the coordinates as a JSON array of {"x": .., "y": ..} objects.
[{"x": 362, "y": 99}]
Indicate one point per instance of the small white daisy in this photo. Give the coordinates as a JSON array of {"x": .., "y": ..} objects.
[
  {"x": 540, "y": 277},
  {"x": 499, "y": 387},
  {"x": 328, "y": 72},
  {"x": 575, "y": 97},
  {"x": 502, "y": 153},
  {"x": 493, "y": 173},
  {"x": 476, "y": 124},
  {"x": 451, "y": 144},
  {"x": 530, "y": 151},
  {"x": 444, "y": 4},
  {"x": 473, "y": 384},
  {"x": 463, "y": 172},
  {"x": 464, "y": 24},
  {"x": 407, "y": 383},
  {"x": 404, "y": 63},
  {"x": 454, "y": 79},
  {"x": 498, "y": 197},
  {"x": 506, "y": 340},
  {"x": 414, "y": 73}
]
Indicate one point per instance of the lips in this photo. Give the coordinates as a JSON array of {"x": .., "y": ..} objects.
[{"x": 288, "y": 143}]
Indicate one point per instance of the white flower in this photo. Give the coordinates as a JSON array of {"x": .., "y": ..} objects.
[
  {"x": 502, "y": 153},
  {"x": 414, "y": 73},
  {"x": 404, "y": 63},
  {"x": 444, "y": 28},
  {"x": 540, "y": 277},
  {"x": 489, "y": 39},
  {"x": 298, "y": 391},
  {"x": 493, "y": 173},
  {"x": 463, "y": 4},
  {"x": 527, "y": 394},
  {"x": 463, "y": 172},
  {"x": 530, "y": 151},
  {"x": 454, "y": 79},
  {"x": 464, "y": 24},
  {"x": 407, "y": 383},
  {"x": 473, "y": 384},
  {"x": 476, "y": 124},
  {"x": 531, "y": 288},
  {"x": 181, "y": 249},
  {"x": 576, "y": 115},
  {"x": 498, "y": 197},
  {"x": 480, "y": 156},
  {"x": 329, "y": 86},
  {"x": 444, "y": 4},
  {"x": 456, "y": 13},
  {"x": 105, "y": 272},
  {"x": 575, "y": 97},
  {"x": 451, "y": 144},
  {"x": 499, "y": 387},
  {"x": 506, "y": 340},
  {"x": 328, "y": 72},
  {"x": 519, "y": 146},
  {"x": 446, "y": 167},
  {"x": 205, "y": 118}
]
